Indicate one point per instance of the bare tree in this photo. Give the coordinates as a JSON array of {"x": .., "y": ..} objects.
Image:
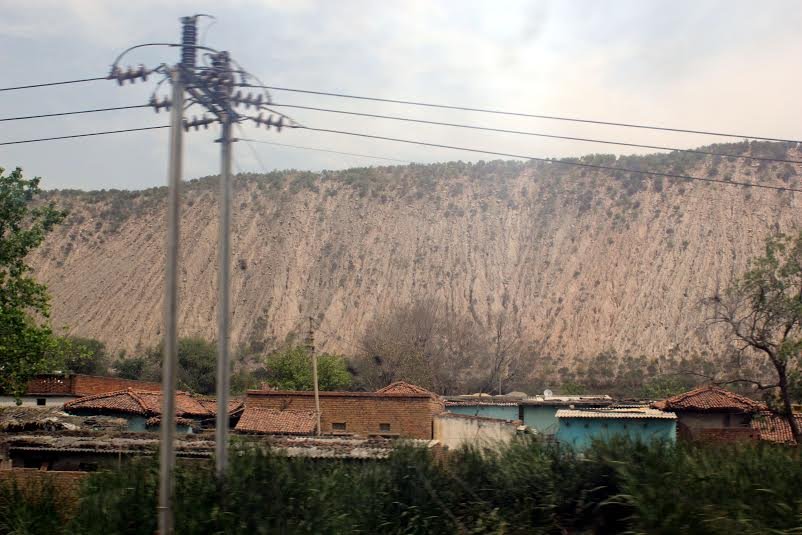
[
  {"x": 505, "y": 348},
  {"x": 763, "y": 312},
  {"x": 423, "y": 343}
]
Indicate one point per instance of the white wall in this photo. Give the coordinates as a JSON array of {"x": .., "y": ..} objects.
[
  {"x": 454, "y": 430},
  {"x": 30, "y": 401}
]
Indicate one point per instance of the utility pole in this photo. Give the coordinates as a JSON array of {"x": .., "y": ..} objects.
[
  {"x": 169, "y": 372},
  {"x": 311, "y": 347},
  {"x": 223, "y": 93},
  {"x": 211, "y": 87}
]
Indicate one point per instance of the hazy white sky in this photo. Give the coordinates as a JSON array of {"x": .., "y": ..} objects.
[{"x": 721, "y": 65}]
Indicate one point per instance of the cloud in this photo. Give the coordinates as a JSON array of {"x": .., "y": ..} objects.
[{"x": 714, "y": 64}]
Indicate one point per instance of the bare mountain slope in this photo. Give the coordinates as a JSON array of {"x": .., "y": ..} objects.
[{"x": 586, "y": 260}]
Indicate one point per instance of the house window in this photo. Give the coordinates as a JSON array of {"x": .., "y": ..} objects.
[
  {"x": 41, "y": 401},
  {"x": 384, "y": 428},
  {"x": 338, "y": 426}
]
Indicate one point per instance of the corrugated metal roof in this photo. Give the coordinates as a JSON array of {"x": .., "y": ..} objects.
[
  {"x": 483, "y": 403},
  {"x": 639, "y": 413}
]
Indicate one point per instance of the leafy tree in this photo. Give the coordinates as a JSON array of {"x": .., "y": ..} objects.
[
  {"x": 197, "y": 365},
  {"x": 763, "y": 312},
  {"x": 27, "y": 344},
  {"x": 291, "y": 369},
  {"x": 132, "y": 367},
  {"x": 84, "y": 355}
]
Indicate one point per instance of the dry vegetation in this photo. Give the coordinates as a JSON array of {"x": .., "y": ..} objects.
[{"x": 576, "y": 262}]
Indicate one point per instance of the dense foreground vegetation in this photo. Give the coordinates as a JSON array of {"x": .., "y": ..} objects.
[{"x": 525, "y": 488}]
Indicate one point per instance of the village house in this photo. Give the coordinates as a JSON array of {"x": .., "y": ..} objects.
[
  {"x": 142, "y": 409},
  {"x": 536, "y": 412},
  {"x": 713, "y": 413},
  {"x": 578, "y": 428},
  {"x": 55, "y": 389},
  {"x": 400, "y": 410}
]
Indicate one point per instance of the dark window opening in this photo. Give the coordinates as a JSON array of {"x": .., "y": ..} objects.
[
  {"x": 384, "y": 428},
  {"x": 41, "y": 401},
  {"x": 338, "y": 426}
]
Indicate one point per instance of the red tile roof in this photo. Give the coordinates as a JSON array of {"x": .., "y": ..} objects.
[
  {"x": 774, "y": 428},
  {"x": 145, "y": 403},
  {"x": 210, "y": 404},
  {"x": 710, "y": 399},
  {"x": 402, "y": 387},
  {"x": 277, "y": 422}
]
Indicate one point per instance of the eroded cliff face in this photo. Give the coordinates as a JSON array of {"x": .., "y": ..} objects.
[{"x": 584, "y": 260}]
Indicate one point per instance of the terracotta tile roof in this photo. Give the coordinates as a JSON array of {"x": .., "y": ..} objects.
[
  {"x": 710, "y": 398},
  {"x": 277, "y": 422},
  {"x": 210, "y": 404},
  {"x": 404, "y": 388},
  {"x": 641, "y": 413},
  {"x": 125, "y": 401},
  {"x": 147, "y": 403},
  {"x": 774, "y": 428}
]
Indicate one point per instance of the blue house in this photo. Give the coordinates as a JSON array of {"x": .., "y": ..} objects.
[
  {"x": 578, "y": 428},
  {"x": 536, "y": 412},
  {"x": 540, "y": 412}
]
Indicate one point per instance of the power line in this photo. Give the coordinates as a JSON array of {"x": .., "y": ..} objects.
[
  {"x": 83, "y": 135},
  {"x": 324, "y": 150},
  {"x": 537, "y": 134},
  {"x": 547, "y": 160},
  {"x": 81, "y": 80},
  {"x": 521, "y": 114},
  {"x": 94, "y": 110}
]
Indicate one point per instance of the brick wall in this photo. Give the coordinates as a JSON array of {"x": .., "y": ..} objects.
[
  {"x": 732, "y": 434},
  {"x": 83, "y": 385},
  {"x": 409, "y": 416},
  {"x": 66, "y": 485},
  {"x": 87, "y": 385}
]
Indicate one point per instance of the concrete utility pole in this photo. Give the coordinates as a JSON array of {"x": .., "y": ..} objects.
[
  {"x": 223, "y": 90},
  {"x": 167, "y": 452},
  {"x": 211, "y": 87},
  {"x": 311, "y": 346}
]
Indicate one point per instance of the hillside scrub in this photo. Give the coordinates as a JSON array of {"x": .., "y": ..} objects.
[{"x": 526, "y": 487}]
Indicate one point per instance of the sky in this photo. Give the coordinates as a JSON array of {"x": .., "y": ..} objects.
[{"x": 728, "y": 66}]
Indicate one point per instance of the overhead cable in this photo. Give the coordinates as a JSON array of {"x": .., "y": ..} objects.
[
  {"x": 521, "y": 114},
  {"x": 551, "y": 161},
  {"x": 71, "y": 136},
  {"x": 324, "y": 150},
  {"x": 60, "y": 114},
  {"x": 537, "y": 134},
  {"x": 80, "y": 80}
]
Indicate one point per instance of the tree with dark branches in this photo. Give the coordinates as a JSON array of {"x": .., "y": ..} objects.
[{"x": 762, "y": 310}]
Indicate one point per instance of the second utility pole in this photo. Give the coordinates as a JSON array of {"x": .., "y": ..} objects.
[
  {"x": 311, "y": 339},
  {"x": 224, "y": 301}
]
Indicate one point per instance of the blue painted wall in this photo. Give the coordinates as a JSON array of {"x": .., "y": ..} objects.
[
  {"x": 499, "y": 412},
  {"x": 580, "y": 432},
  {"x": 542, "y": 418}
]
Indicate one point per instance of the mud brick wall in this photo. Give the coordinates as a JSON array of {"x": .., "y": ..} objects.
[{"x": 363, "y": 413}]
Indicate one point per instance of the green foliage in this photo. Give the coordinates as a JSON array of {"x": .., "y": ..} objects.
[
  {"x": 83, "y": 355},
  {"x": 197, "y": 365},
  {"x": 30, "y": 510},
  {"x": 135, "y": 367},
  {"x": 27, "y": 345},
  {"x": 291, "y": 369},
  {"x": 524, "y": 487}
]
